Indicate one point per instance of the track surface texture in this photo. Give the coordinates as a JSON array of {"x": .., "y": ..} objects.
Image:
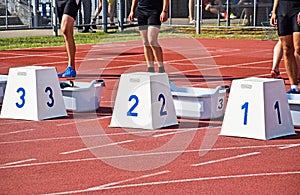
[{"x": 81, "y": 154}]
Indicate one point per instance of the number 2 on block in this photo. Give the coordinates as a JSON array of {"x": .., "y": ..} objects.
[
  {"x": 163, "y": 112},
  {"x": 130, "y": 111},
  {"x": 135, "y": 98}
]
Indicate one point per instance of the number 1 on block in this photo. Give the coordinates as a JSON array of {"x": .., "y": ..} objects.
[{"x": 245, "y": 107}]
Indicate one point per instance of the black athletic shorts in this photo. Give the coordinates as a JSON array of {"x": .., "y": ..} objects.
[
  {"x": 148, "y": 18},
  {"x": 287, "y": 13},
  {"x": 69, "y": 7}
]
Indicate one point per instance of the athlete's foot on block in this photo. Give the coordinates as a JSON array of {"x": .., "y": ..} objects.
[
  {"x": 275, "y": 74},
  {"x": 70, "y": 72},
  {"x": 161, "y": 69},
  {"x": 151, "y": 69},
  {"x": 293, "y": 91}
]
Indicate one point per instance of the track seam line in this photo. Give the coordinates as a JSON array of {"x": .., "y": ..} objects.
[
  {"x": 15, "y": 132},
  {"x": 225, "y": 159},
  {"x": 168, "y": 182},
  {"x": 127, "y": 180},
  {"x": 133, "y": 155},
  {"x": 18, "y": 162},
  {"x": 90, "y": 148},
  {"x": 204, "y": 179},
  {"x": 289, "y": 146}
]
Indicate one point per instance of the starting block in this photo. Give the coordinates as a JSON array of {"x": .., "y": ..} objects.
[
  {"x": 3, "y": 81},
  {"x": 257, "y": 108},
  {"x": 83, "y": 96},
  {"x": 33, "y": 93},
  {"x": 144, "y": 100},
  {"x": 199, "y": 103},
  {"x": 294, "y": 102}
]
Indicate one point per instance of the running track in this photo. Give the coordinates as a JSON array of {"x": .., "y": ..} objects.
[{"x": 81, "y": 154}]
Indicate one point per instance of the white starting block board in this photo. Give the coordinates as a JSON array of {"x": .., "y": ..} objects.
[
  {"x": 199, "y": 103},
  {"x": 3, "y": 81},
  {"x": 83, "y": 96},
  {"x": 257, "y": 108},
  {"x": 294, "y": 102},
  {"x": 33, "y": 93},
  {"x": 144, "y": 100}
]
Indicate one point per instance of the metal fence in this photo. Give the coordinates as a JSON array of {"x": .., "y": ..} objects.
[{"x": 21, "y": 14}]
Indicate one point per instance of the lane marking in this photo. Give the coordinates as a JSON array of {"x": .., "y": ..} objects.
[
  {"x": 100, "y": 135},
  {"x": 127, "y": 180},
  {"x": 204, "y": 179},
  {"x": 84, "y": 149},
  {"x": 182, "y": 131},
  {"x": 225, "y": 159},
  {"x": 164, "y": 134},
  {"x": 19, "y": 131},
  {"x": 15, "y": 122},
  {"x": 83, "y": 121},
  {"x": 289, "y": 146},
  {"x": 221, "y": 177},
  {"x": 19, "y": 162},
  {"x": 133, "y": 155}
]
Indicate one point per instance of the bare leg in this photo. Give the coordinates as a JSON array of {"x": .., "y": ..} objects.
[
  {"x": 67, "y": 24},
  {"x": 289, "y": 58},
  {"x": 98, "y": 10},
  {"x": 111, "y": 11},
  {"x": 215, "y": 11},
  {"x": 277, "y": 55},
  {"x": 296, "y": 39},
  {"x": 147, "y": 49},
  {"x": 191, "y": 10},
  {"x": 156, "y": 49}
]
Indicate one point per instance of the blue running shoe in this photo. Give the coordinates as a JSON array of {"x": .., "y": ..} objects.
[
  {"x": 70, "y": 72},
  {"x": 293, "y": 91}
]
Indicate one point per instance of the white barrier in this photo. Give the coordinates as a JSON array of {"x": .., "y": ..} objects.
[
  {"x": 257, "y": 108},
  {"x": 144, "y": 101},
  {"x": 33, "y": 93}
]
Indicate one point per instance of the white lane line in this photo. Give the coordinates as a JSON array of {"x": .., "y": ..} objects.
[
  {"x": 101, "y": 135},
  {"x": 84, "y": 149},
  {"x": 164, "y": 134},
  {"x": 289, "y": 146},
  {"x": 19, "y": 162},
  {"x": 204, "y": 179},
  {"x": 102, "y": 187},
  {"x": 78, "y": 120},
  {"x": 133, "y": 155},
  {"x": 90, "y": 136},
  {"x": 169, "y": 182},
  {"x": 225, "y": 159},
  {"x": 118, "y": 67},
  {"x": 183, "y": 131},
  {"x": 19, "y": 131},
  {"x": 15, "y": 122},
  {"x": 127, "y": 180}
]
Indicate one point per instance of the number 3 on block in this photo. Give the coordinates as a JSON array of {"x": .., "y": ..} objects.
[
  {"x": 135, "y": 100},
  {"x": 22, "y": 97}
]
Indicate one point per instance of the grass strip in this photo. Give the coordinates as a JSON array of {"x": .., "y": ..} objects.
[{"x": 131, "y": 34}]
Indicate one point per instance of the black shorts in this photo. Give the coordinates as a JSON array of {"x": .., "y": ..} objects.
[
  {"x": 287, "y": 13},
  {"x": 148, "y": 18},
  {"x": 69, "y": 7}
]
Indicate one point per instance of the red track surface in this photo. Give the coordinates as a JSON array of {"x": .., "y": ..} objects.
[{"x": 81, "y": 154}]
